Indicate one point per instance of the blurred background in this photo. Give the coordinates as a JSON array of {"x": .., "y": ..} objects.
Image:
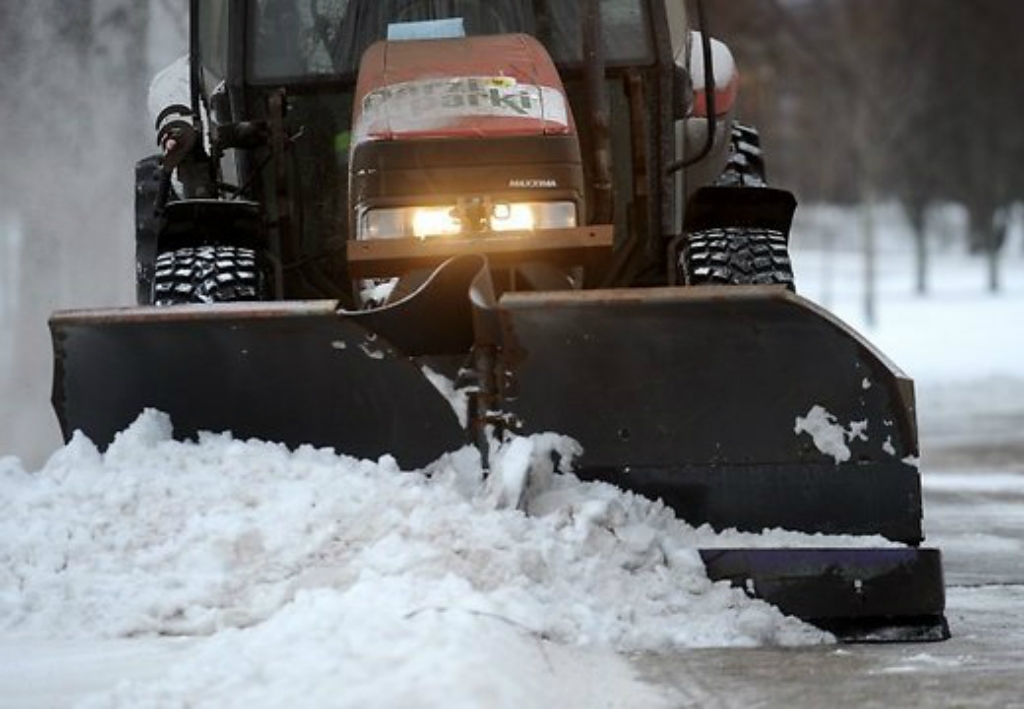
[
  {"x": 909, "y": 102},
  {"x": 894, "y": 121},
  {"x": 74, "y": 76}
]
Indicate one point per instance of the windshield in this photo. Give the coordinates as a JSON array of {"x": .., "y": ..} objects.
[{"x": 296, "y": 39}]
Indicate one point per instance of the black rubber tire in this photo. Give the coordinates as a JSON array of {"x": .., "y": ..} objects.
[
  {"x": 210, "y": 274},
  {"x": 745, "y": 167},
  {"x": 736, "y": 256}
]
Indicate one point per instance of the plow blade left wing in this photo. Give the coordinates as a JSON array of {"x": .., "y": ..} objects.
[{"x": 290, "y": 372}]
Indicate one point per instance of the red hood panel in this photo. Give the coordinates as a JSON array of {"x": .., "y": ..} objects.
[{"x": 501, "y": 85}]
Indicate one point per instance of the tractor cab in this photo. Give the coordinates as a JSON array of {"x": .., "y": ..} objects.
[{"x": 395, "y": 118}]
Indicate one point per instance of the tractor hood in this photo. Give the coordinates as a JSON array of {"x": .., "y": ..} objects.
[{"x": 485, "y": 86}]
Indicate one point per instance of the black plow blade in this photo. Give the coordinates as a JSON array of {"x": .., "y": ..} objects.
[
  {"x": 693, "y": 395},
  {"x": 289, "y": 372},
  {"x": 859, "y": 595},
  {"x": 294, "y": 372}
]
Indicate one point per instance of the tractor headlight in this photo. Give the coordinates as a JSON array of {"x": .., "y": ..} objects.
[
  {"x": 447, "y": 220},
  {"x": 433, "y": 221},
  {"x": 513, "y": 217}
]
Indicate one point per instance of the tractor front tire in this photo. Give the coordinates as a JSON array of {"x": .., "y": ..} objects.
[
  {"x": 745, "y": 167},
  {"x": 736, "y": 256},
  {"x": 210, "y": 274}
]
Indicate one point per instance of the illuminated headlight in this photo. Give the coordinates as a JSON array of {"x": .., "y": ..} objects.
[
  {"x": 422, "y": 222},
  {"x": 513, "y": 217},
  {"x": 434, "y": 221}
]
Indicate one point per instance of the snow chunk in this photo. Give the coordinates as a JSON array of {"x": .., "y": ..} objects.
[
  {"x": 149, "y": 430},
  {"x": 510, "y": 466},
  {"x": 79, "y": 453},
  {"x": 829, "y": 437},
  {"x": 857, "y": 431},
  {"x": 888, "y": 447},
  {"x": 526, "y": 465},
  {"x": 375, "y": 292}
]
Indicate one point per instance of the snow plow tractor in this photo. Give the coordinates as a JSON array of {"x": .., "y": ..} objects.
[{"x": 362, "y": 206}]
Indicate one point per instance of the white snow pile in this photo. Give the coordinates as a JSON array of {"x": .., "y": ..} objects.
[{"x": 367, "y": 577}]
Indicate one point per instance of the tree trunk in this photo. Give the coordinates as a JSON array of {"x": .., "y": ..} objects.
[
  {"x": 987, "y": 234},
  {"x": 917, "y": 214},
  {"x": 870, "y": 258},
  {"x": 997, "y": 239}
]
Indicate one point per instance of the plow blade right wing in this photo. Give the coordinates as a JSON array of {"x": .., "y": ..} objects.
[{"x": 696, "y": 396}]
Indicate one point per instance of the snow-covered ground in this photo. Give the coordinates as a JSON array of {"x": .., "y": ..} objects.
[
  {"x": 237, "y": 573},
  {"x": 960, "y": 332}
]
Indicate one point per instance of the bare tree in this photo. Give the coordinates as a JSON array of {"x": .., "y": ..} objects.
[
  {"x": 913, "y": 100},
  {"x": 983, "y": 148}
]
